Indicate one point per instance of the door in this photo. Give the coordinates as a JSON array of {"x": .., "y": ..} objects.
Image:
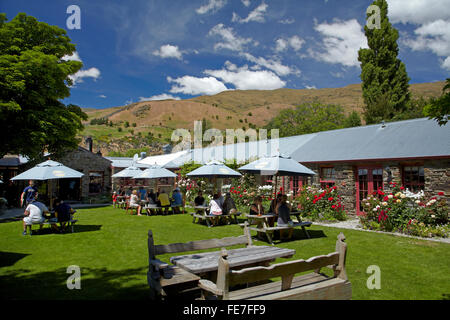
[{"x": 369, "y": 179}]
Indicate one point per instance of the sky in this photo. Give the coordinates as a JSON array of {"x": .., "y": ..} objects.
[{"x": 143, "y": 50}]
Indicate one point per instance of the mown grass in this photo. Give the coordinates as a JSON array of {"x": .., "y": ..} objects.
[{"x": 110, "y": 248}]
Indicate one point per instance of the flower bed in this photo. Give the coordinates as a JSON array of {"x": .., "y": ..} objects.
[
  {"x": 406, "y": 212},
  {"x": 320, "y": 205}
]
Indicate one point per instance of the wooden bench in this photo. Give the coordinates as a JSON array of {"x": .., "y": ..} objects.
[
  {"x": 167, "y": 280},
  {"x": 70, "y": 223},
  {"x": 311, "y": 286}
]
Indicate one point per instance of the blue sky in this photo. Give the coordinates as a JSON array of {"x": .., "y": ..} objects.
[{"x": 153, "y": 49}]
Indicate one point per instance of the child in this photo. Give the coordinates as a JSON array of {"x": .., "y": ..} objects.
[{"x": 114, "y": 198}]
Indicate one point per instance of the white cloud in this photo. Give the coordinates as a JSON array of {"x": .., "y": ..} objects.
[
  {"x": 341, "y": 42},
  {"x": 418, "y": 11},
  {"x": 194, "y": 86},
  {"x": 244, "y": 79},
  {"x": 287, "y": 21},
  {"x": 78, "y": 77},
  {"x": 257, "y": 15},
  {"x": 159, "y": 97},
  {"x": 310, "y": 87},
  {"x": 212, "y": 5},
  {"x": 230, "y": 40},
  {"x": 102, "y": 96},
  {"x": 294, "y": 42},
  {"x": 73, "y": 57},
  {"x": 271, "y": 64},
  {"x": 246, "y": 2},
  {"x": 168, "y": 51}
]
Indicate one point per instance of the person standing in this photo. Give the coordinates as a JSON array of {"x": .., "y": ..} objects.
[{"x": 29, "y": 194}]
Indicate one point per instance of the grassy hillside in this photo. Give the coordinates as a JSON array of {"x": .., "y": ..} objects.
[{"x": 230, "y": 109}]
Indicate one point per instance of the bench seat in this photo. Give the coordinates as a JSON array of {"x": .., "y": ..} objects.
[{"x": 70, "y": 223}]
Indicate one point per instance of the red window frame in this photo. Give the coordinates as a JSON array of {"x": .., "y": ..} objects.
[
  {"x": 372, "y": 184},
  {"x": 327, "y": 181}
]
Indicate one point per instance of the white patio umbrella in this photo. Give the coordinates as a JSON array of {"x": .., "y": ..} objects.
[
  {"x": 48, "y": 170},
  {"x": 277, "y": 165},
  {"x": 214, "y": 170},
  {"x": 156, "y": 172},
  {"x": 130, "y": 172}
]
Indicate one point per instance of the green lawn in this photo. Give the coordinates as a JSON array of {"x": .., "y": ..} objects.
[{"x": 110, "y": 247}]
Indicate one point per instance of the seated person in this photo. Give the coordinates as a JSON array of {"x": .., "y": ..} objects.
[
  {"x": 215, "y": 209},
  {"x": 177, "y": 200},
  {"x": 164, "y": 201},
  {"x": 151, "y": 197},
  {"x": 284, "y": 216},
  {"x": 229, "y": 207},
  {"x": 142, "y": 193},
  {"x": 63, "y": 212},
  {"x": 134, "y": 202},
  {"x": 256, "y": 208},
  {"x": 199, "y": 200},
  {"x": 34, "y": 213},
  {"x": 273, "y": 204}
]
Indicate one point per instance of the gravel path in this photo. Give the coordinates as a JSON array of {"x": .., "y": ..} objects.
[{"x": 355, "y": 225}]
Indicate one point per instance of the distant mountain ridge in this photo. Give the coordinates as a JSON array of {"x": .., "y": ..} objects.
[{"x": 229, "y": 109}]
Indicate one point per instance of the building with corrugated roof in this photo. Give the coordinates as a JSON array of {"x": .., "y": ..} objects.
[{"x": 359, "y": 160}]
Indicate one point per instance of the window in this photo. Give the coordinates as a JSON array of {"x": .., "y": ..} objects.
[
  {"x": 95, "y": 181},
  {"x": 327, "y": 177},
  {"x": 297, "y": 183},
  {"x": 414, "y": 178}
]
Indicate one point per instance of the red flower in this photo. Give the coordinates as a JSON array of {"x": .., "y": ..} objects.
[
  {"x": 386, "y": 198},
  {"x": 240, "y": 196},
  {"x": 330, "y": 199},
  {"x": 402, "y": 188},
  {"x": 333, "y": 206},
  {"x": 440, "y": 194}
]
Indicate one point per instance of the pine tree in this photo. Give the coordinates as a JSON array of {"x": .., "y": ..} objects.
[{"x": 384, "y": 79}]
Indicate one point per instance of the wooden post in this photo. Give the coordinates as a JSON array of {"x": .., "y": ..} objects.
[
  {"x": 341, "y": 248},
  {"x": 223, "y": 274}
]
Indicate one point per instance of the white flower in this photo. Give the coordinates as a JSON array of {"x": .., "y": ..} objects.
[
  {"x": 375, "y": 209},
  {"x": 403, "y": 196},
  {"x": 384, "y": 204},
  {"x": 390, "y": 196},
  {"x": 367, "y": 204},
  {"x": 417, "y": 201}
]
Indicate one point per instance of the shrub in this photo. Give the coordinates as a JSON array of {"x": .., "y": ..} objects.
[
  {"x": 406, "y": 212},
  {"x": 320, "y": 204}
]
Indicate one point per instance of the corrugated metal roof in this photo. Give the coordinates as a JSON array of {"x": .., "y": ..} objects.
[
  {"x": 418, "y": 138},
  {"x": 119, "y": 162}
]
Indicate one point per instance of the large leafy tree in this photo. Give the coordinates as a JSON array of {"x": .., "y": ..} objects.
[
  {"x": 439, "y": 108},
  {"x": 384, "y": 79},
  {"x": 308, "y": 118},
  {"x": 33, "y": 80}
]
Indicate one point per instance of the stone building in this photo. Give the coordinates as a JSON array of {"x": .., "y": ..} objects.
[
  {"x": 414, "y": 153},
  {"x": 96, "y": 170}
]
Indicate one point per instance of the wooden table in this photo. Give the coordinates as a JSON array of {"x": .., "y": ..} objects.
[
  {"x": 263, "y": 226},
  {"x": 201, "y": 213},
  {"x": 206, "y": 264}
]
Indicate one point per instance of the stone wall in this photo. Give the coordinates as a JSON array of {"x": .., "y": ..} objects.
[{"x": 85, "y": 161}]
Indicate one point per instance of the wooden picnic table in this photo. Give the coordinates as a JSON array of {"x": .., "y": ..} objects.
[
  {"x": 263, "y": 225},
  {"x": 206, "y": 264}
]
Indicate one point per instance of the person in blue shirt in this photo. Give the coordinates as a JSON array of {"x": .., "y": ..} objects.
[
  {"x": 29, "y": 194},
  {"x": 63, "y": 212},
  {"x": 177, "y": 200}
]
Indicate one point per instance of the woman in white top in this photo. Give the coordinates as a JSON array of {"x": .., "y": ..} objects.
[
  {"x": 134, "y": 202},
  {"x": 215, "y": 209}
]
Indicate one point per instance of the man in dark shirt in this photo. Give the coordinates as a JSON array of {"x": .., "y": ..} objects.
[
  {"x": 199, "y": 200},
  {"x": 29, "y": 194},
  {"x": 63, "y": 213}
]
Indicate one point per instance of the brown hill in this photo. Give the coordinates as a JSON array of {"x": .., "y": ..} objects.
[{"x": 230, "y": 109}]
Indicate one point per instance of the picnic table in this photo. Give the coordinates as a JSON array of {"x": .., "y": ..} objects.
[
  {"x": 206, "y": 264},
  {"x": 202, "y": 213},
  {"x": 263, "y": 225}
]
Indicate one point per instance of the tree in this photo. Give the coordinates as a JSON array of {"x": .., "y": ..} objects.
[
  {"x": 353, "y": 120},
  {"x": 33, "y": 80},
  {"x": 307, "y": 118},
  {"x": 439, "y": 109},
  {"x": 384, "y": 79}
]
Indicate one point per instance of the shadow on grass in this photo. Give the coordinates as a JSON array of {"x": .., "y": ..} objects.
[
  {"x": 95, "y": 283},
  {"x": 298, "y": 234},
  {"x": 76, "y": 229},
  {"x": 10, "y": 258}
]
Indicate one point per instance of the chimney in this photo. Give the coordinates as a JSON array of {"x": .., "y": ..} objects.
[
  {"x": 167, "y": 149},
  {"x": 143, "y": 155},
  {"x": 88, "y": 142}
]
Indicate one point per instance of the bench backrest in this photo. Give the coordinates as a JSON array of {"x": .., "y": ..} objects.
[
  {"x": 286, "y": 270},
  {"x": 155, "y": 250}
]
